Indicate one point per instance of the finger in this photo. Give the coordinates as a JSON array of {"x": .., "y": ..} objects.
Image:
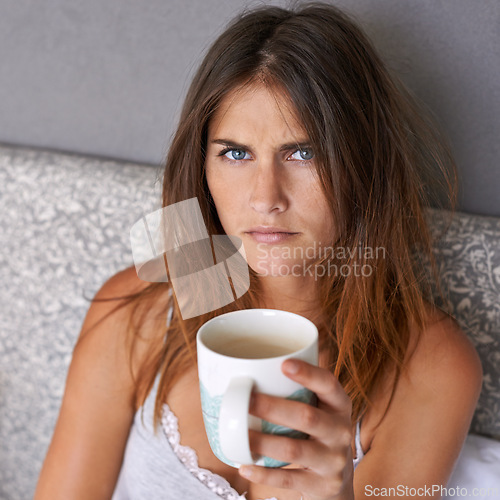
[
  {"x": 321, "y": 425},
  {"x": 279, "y": 478},
  {"x": 319, "y": 380},
  {"x": 295, "y": 479},
  {"x": 308, "y": 453}
]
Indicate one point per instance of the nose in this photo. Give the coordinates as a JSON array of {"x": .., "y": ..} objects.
[{"x": 268, "y": 188}]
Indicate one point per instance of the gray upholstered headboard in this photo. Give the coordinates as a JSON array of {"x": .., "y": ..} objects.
[{"x": 65, "y": 229}]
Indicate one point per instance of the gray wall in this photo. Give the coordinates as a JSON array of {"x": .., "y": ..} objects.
[{"x": 106, "y": 77}]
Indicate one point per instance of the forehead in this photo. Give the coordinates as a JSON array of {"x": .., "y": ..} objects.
[{"x": 258, "y": 106}]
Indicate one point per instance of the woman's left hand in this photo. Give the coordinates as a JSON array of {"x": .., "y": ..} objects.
[{"x": 325, "y": 459}]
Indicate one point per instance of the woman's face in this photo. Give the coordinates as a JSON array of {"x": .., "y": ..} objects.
[{"x": 261, "y": 174}]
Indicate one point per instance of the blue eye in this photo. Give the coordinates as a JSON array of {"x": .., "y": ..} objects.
[
  {"x": 234, "y": 154},
  {"x": 302, "y": 155}
]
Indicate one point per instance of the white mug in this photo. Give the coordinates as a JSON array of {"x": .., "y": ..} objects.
[{"x": 240, "y": 351}]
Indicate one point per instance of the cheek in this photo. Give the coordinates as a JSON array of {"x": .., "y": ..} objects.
[
  {"x": 222, "y": 196},
  {"x": 326, "y": 224},
  {"x": 319, "y": 214},
  {"x": 214, "y": 186},
  {"x": 312, "y": 200},
  {"x": 210, "y": 179}
]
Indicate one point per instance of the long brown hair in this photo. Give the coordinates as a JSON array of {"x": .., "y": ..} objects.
[{"x": 378, "y": 156}]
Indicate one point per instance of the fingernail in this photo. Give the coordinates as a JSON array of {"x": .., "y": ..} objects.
[
  {"x": 245, "y": 471},
  {"x": 291, "y": 366}
]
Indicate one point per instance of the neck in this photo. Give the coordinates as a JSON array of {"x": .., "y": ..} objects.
[
  {"x": 289, "y": 293},
  {"x": 296, "y": 295}
]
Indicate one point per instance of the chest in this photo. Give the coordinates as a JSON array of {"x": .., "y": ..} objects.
[{"x": 187, "y": 409}]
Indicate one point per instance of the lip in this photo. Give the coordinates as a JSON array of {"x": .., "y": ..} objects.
[{"x": 270, "y": 234}]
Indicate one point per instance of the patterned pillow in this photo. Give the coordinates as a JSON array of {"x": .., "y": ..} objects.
[
  {"x": 468, "y": 258},
  {"x": 65, "y": 229}
]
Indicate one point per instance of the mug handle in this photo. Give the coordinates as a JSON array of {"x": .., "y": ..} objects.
[{"x": 234, "y": 421}]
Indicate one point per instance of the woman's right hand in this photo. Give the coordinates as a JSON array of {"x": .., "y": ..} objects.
[{"x": 325, "y": 458}]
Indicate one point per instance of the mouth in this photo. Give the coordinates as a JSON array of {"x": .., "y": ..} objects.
[{"x": 270, "y": 234}]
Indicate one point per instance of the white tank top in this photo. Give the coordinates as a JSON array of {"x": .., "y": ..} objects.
[{"x": 157, "y": 467}]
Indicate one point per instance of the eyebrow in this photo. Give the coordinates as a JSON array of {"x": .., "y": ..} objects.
[{"x": 284, "y": 147}]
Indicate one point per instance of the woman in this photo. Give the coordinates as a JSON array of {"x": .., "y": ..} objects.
[{"x": 295, "y": 138}]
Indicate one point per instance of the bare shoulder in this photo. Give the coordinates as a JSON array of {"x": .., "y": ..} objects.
[
  {"x": 442, "y": 369},
  {"x": 433, "y": 403},
  {"x": 444, "y": 358},
  {"x": 105, "y": 338},
  {"x": 107, "y": 331},
  {"x": 110, "y": 298}
]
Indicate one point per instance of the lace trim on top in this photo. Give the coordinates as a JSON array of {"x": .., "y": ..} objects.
[
  {"x": 359, "y": 449},
  {"x": 217, "y": 484}
]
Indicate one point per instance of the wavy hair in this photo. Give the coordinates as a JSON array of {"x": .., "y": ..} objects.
[{"x": 379, "y": 156}]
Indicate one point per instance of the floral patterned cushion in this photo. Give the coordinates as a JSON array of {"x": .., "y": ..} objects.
[
  {"x": 65, "y": 229},
  {"x": 468, "y": 258}
]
